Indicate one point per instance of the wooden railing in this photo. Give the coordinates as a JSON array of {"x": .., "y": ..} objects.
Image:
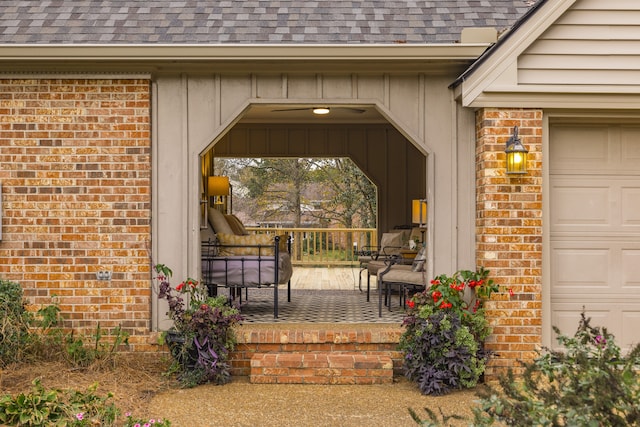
[{"x": 325, "y": 246}]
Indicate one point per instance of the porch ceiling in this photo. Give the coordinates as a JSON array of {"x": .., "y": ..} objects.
[{"x": 302, "y": 113}]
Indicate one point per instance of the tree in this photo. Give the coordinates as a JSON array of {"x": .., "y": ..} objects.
[
  {"x": 350, "y": 197},
  {"x": 329, "y": 191}
]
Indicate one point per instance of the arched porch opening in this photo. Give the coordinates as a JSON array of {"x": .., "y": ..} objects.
[{"x": 396, "y": 167}]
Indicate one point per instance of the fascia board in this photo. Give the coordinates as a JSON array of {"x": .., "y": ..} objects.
[
  {"x": 506, "y": 55},
  {"x": 557, "y": 100},
  {"x": 297, "y": 52}
]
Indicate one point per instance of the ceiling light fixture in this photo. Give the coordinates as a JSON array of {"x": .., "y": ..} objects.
[{"x": 321, "y": 110}]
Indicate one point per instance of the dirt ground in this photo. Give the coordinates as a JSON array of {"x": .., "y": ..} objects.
[{"x": 140, "y": 387}]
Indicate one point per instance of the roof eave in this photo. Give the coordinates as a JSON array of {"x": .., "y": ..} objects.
[{"x": 231, "y": 52}]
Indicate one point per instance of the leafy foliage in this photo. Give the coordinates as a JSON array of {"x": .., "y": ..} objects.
[
  {"x": 15, "y": 321},
  {"x": 29, "y": 337},
  {"x": 441, "y": 354},
  {"x": 57, "y": 407},
  {"x": 85, "y": 351},
  {"x": 202, "y": 336},
  {"x": 443, "y": 342},
  {"x": 587, "y": 383},
  {"x": 325, "y": 191}
]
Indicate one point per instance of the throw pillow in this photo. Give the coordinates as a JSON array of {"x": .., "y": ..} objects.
[
  {"x": 420, "y": 260},
  {"x": 391, "y": 243},
  {"x": 218, "y": 222},
  {"x": 246, "y": 245},
  {"x": 236, "y": 225}
]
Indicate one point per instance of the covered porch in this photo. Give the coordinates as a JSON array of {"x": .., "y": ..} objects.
[{"x": 321, "y": 295}]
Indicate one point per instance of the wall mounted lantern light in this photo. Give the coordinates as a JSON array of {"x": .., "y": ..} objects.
[{"x": 516, "y": 154}]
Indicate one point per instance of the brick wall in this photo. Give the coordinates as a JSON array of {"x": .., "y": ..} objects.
[
  {"x": 75, "y": 169},
  {"x": 509, "y": 232}
]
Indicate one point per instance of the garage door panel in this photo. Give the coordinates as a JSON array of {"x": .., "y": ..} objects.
[
  {"x": 630, "y": 213},
  {"x": 630, "y": 270},
  {"x": 578, "y": 206},
  {"x": 577, "y": 268},
  {"x": 630, "y": 328},
  {"x": 630, "y": 149},
  {"x": 601, "y": 204},
  {"x": 581, "y": 148},
  {"x": 591, "y": 265}
]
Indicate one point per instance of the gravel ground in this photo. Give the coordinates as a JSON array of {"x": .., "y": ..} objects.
[{"x": 243, "y": 404}]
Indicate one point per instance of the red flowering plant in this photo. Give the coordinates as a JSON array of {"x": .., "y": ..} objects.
[
  {"x": 445, "y": 331},
  {"x": 202, "y": 335}
]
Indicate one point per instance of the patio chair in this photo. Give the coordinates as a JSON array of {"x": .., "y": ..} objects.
[
  {"x": 406, "y": 278},
  {"x": 390, "y": 245},
  {"x": 391, "y": 255}
]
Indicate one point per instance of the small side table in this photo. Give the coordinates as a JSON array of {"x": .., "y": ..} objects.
[{"x": 408, "y": 254}]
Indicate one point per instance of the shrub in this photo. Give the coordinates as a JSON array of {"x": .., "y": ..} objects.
[
  {"x": 15, "y": 321},
  {"x": 587, "y": 383},
  {"x": 443, "y": 345},
  {"x": 28, "y": 337},
  {"x": 202, "y": 336}
]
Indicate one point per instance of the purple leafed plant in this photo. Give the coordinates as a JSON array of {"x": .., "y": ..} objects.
[{"x": 202, "y": 335}]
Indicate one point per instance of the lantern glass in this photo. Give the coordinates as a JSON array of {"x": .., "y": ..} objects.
[
  {"x": 516, "y": 162},
  {"x": 516, "y": 154}
]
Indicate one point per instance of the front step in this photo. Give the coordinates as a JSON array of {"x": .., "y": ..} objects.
[
  {"x": 320, "y": 368},
  {"x": 379, "y": 340}
]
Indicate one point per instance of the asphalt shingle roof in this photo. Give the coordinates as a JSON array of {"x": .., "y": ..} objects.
[{"x": 249, "y": 21}]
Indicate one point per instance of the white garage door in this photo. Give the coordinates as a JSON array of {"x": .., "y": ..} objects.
[{"x": 595, "y": 227}]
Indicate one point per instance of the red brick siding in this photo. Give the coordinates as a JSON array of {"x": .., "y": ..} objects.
[
  {"x": 75, "y": 168},
  {"x": 509, "y": 232}
]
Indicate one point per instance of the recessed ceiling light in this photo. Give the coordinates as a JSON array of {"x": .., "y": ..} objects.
[{"x": 321, "y": 110}]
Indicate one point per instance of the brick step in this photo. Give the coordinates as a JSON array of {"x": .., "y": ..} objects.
[
  {"x": 320, "y": 368},
  {"x": 328, "y": 339}
]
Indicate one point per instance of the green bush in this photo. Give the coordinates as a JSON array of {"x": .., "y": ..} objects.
[
  {"x": 84, "y": 351},
  {"x": 588, "y": 383},
  {"x": 44, "y": 407},
  {"x": 56, "y": 407},
  {"x": 25, "y": 337}
]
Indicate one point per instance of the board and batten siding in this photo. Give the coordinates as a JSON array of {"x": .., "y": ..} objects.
[
  {"x": 594, "y": 43},
  {"x": 192, "y": 113}
]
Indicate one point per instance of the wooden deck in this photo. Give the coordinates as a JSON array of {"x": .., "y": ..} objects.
[{"x": 329, "y": 278}]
